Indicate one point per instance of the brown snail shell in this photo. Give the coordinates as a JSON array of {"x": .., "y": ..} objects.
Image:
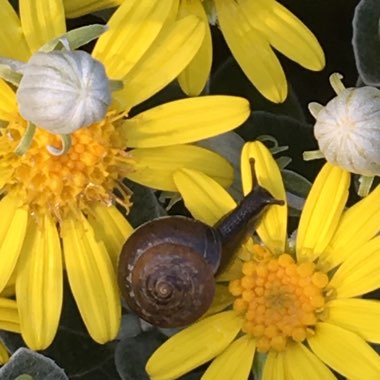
[
  {"x": 167, "y": 266},
  {"x": 165, "y": 275}
]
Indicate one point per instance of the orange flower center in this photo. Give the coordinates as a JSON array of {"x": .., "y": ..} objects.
[
  {"x": 88, "y": 172},
  {"x": 280, "y": 299}
]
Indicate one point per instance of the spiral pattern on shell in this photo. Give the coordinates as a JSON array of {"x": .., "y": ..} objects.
[
  {"x": 166, "y": 270},
  {"x": 348, "y": 130},
  {"x": 172, "y": 291},
  {"x": 62, "y": 91}
]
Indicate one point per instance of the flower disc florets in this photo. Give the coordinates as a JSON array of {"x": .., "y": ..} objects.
[
  {"x": 87, "y": 174},
  {"x": 281, "y": 300}
]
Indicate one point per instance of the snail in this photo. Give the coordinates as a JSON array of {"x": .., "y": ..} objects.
[{"x": 167, "y": 266}]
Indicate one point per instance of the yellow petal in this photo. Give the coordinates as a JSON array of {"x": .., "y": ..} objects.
[
  {"x": 357, "y": 225},
  {"x": 308, "y": 365},
  {"x": 171, "y": 52},
  {"x": 4, "y": 355},
  {"x": 252, "y": 51},
  {"x": 9, "y": 290},
  {"x": 13, "y": 225},
  {"x": 172, "y": 14},
  {"x": 193, "y": 79},
  {"x": 285, "y": 32},
  {"x": 272, "y": 228},
  {"x": 112, "y": 228},
  {"x": 222, "y": 299},
  {"x": 234, "y": 363},
  {"x": 75, "y": 8},
  {"x": 322, "y": 211},
  {"x": 92, "y": 279},
  {"x": 8, "y": 104},
  {"x": 42, "y": 21},
  {"x": 186, "y": 120},
  {"x": 12, "y": 40},
  {"x": 233, "y": 268},
  {"x": 155, "y": 167},
  {"x": 274, "y": 367},
  {"x": 360, "y": 273},
  {"x": 193, "y": 346},
  {"x": 204, "y": 198},
  {"x": 39, "y": 284},
  {"x": 357, "y": 315},
  {"x": 9, "y": 318},
  {"x": 132, "y": 29},
  {"x": 345, "y": 352}
]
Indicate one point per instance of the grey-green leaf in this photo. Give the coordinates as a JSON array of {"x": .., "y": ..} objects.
[
  {"x": 11, "y": 70},
  {"x": 131, "y": 355},
  {"x": 296, "y": 183},
  {"x": 228, "y": 145},
  {"x": 27, "y": 362},
  {"x": 76, "y": 37},
  {"x": 366, "y": 41},
  {"x": 297, "y": 189},
  {"x": 145, "y": 204}
]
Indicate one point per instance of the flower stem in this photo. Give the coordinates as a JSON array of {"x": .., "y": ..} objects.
[
  {"x": 312, "y": 155},
  {"x": 66, "y": 144},
  {"x": 336, "y": 83},
  {"x": 26, "y": 139},
  {"x": 365, "y": 185}
]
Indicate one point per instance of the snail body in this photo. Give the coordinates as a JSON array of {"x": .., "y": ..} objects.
[{"x": 167, "y": 266}]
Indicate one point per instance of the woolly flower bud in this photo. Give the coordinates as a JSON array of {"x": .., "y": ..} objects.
[
  {"x": 348, "y": 128},
  {"x": 62, "y": 91}
]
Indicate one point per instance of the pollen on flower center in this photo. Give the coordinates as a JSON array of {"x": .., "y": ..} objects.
[
  {"x": 88, "y": 172},
  {"x": 280, "y": 300}
]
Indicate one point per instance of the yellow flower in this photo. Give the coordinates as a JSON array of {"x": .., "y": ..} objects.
[
  {"x": 9, "y": 321},
  {"x": 297, "y": 303},
  {"x": 59, "y": 212},
  {"x": 251, "y": 28}
]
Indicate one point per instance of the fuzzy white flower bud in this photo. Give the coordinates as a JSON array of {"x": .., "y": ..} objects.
[
  {"x": 62, "y": 91},
  {"x": 348, "y": 128}
]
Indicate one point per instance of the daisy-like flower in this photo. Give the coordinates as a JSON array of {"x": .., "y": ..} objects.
[
  {"x": 296, "y": 304},
  {"x": 9, "y": 321},
  {"x": 59, "y": 210},
  {"x": 251, "y": 28}
]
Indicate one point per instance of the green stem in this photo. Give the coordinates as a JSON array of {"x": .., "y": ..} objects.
[
  {"x": 312, "y": 155},
  {"x": 365, "y": 185},
  {"x": 315, "y": 108},
  {"x": 26, "y": 139},
  {"x": 336, "y": 83},
  {"x": 66, "y": 144}
]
